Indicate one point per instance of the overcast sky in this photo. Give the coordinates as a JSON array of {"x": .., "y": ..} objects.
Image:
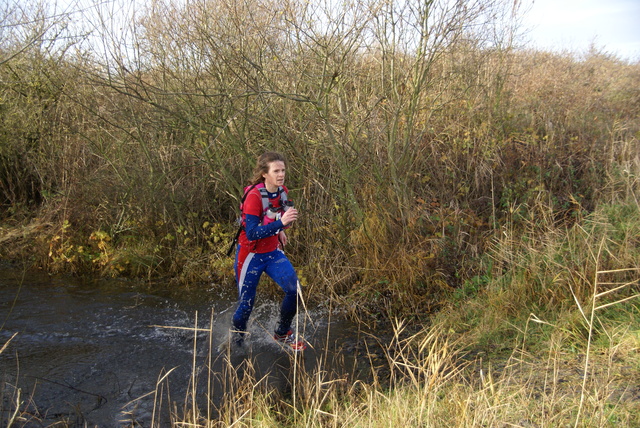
[
  {"x": 612, "y": 25},
  {"x": 557, "y": 25}
]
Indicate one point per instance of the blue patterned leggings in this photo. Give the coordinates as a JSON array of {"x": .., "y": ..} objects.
[{"x": 249, "y": 268}]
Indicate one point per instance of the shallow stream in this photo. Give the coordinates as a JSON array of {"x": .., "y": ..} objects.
[{"x": 82, "y": 352}]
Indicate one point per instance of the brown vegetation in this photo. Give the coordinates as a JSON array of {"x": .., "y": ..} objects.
[
  {"x": 412, "y": 146},
  {"x": 435, "y": 166}
]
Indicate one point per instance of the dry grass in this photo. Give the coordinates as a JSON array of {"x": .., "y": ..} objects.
[
  {"x": 576, "y": 365},
  {"x": 494, "y": 359},
  {"x": 430, "y": 382}
]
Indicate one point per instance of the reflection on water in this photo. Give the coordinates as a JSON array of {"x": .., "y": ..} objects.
[{"x": 90, "y": 351}]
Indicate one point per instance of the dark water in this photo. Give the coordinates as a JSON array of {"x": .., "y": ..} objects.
[{"x": 91, "y": 352}]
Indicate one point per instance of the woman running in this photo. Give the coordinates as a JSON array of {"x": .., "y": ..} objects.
[{"x": 266, "y": 213}]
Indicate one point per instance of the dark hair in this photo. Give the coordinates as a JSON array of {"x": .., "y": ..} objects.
[{"x": 262, "y": 166}]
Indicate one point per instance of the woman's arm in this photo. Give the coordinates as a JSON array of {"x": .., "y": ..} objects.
[
  {"x": 252, "y": 227},
  {"x": 255, "y": 231}
]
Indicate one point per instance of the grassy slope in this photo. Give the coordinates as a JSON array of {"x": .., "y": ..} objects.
[{"x": 553, "y": 339}]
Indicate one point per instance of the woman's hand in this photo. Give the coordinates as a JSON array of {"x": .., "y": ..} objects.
[
  {"x": 282, "y": 237},
  {"x": 289, "y": 216}
]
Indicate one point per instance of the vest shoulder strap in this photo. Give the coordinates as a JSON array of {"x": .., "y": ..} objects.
[{"x": 265, "y": 196}]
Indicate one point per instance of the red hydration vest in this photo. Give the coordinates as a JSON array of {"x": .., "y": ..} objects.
[
  {"x": 265, "y": 218},
  {"x": 276, "y": 204}
]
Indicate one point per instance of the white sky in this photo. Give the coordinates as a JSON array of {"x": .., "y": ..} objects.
[
  {"x": 573, "y": 25},
  {"x": 612, "y": 26}
]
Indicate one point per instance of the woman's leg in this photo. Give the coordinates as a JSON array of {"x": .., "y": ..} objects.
[
  {"x": 248, "y": 271},
  {"x": 282, "y": 272}
]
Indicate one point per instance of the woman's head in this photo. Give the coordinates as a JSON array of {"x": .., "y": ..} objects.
[{"x": 262, "y": 166}]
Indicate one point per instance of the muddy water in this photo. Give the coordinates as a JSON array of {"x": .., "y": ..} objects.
[{"x": 90, "y": 352}]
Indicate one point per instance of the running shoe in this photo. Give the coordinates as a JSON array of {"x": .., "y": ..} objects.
[{"x": 291, "y": 340}]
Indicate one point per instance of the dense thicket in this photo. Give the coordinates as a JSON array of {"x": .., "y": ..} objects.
[{"x": 416, "y": 132}]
